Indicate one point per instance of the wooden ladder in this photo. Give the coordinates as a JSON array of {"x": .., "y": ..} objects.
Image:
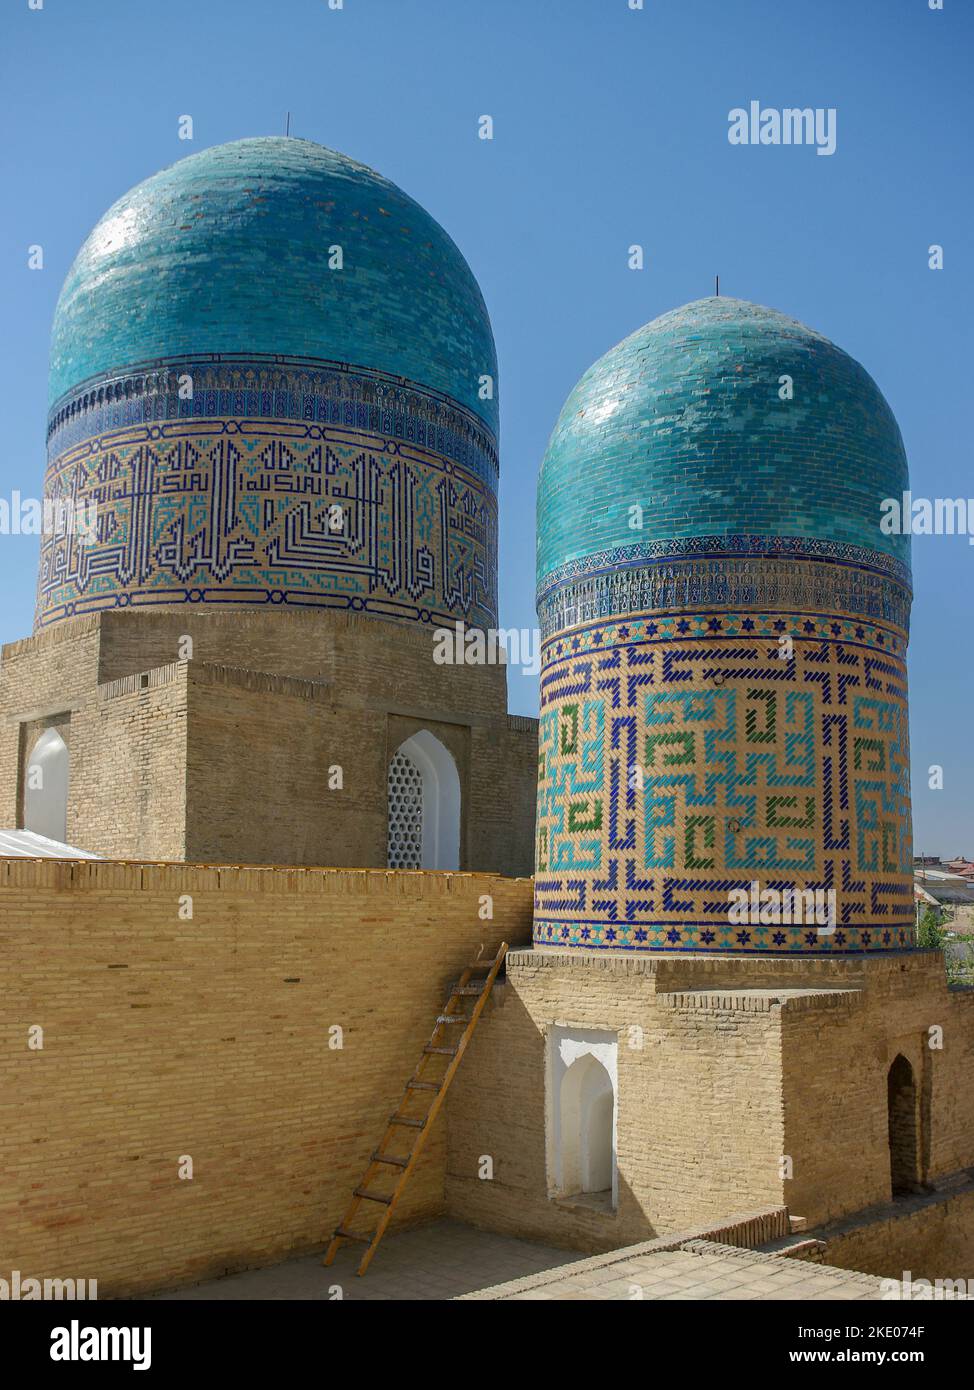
[{"x": 443, "y": 1043}]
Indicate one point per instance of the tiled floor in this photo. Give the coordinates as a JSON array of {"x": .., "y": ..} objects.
[
  {"x": 441, "y": 1261},
  {"x": 448, "y": 1260},
  {"x": 699, "y": 1270}
]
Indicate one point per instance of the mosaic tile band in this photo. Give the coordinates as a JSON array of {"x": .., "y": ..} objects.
[
  {"x": 683, "y": 756},
  {"x": 234, "y": 506},
  {"x": 247, "y": 386},
  {"x": 729, "y": 546},
  {"x": 765, "y": 578}
]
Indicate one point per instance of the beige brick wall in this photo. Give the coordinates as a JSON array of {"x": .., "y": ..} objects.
[
  {"x": 742, "y": 1063},
  {"x": 836, "y": 1053},
  {"x": 127, "y": 787},
  {"x": 371, "y": 660},
  {"x": 695, "y": 1140},
  {"x": 42, "y": 679},
  {"x": 226, "y": 756},
  {"x": 503, "y": 796},
  {"x": 932, "y": 1239},
  {"x": 257, "y": 773},
  {"x": 209, "y": 1038}
]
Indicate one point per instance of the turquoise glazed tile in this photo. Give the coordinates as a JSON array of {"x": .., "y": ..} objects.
[
  {"x": 227, "y": 251},
  {"x": 684, "y": 418}
]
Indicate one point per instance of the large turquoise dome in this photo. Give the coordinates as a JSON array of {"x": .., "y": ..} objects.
[
  {"x": 686, "y": 417},
  {"x": 725, "y": 627},
  {"x": 273, "y": 378},
  {"x": 228, "y": 251}
]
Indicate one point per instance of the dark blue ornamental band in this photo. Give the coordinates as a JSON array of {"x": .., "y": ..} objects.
[
  {"x": 299, "y": 486},
  {"x": 245, "y": 386},
  {"x": 732, "y": 571}
]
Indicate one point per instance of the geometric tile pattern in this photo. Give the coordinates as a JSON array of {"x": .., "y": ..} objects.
[
  {"x": 724, "y": 627},
  {"x": 755, "y": 549},
  {"x": 249, "y": 386},
  {"x": 683, "y": 755},
  {"x": 240, "y": 508},
  {"x": 729, "y": 571}
]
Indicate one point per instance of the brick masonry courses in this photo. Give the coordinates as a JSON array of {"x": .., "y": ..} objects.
[
  {"x": 227, "y": 756},
  {"x": 738, "y": 1064},
  {"x": 210, "y": 1038},
  {"x": 165, "y": 1037}
]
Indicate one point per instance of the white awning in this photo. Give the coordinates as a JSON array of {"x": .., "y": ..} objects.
[{"x": 24, "y": 844}]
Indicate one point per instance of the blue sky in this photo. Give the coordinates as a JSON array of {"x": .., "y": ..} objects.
[{"x": 610, "y": 129}]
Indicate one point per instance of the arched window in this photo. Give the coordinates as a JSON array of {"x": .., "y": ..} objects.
[
  {"x": 424, "y": 806},
  {"x": 587, "y": 1105},
  {"x": 901, "y": 1100},
  {"x": 46, "y": 787},
  {"x": 405, "y": 813}
]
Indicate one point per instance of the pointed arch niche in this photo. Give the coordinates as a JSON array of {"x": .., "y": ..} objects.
[
  {"x": 424, "y": 805},
  {"x": 901, "y": 1109},
  {"x": 46, "y": 787},
  {"x": 582, "y": 1076}
]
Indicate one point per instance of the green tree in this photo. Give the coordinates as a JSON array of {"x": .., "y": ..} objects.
[
  {"x": 934, "y": 933},
  {"x": 931, "y": 930}
]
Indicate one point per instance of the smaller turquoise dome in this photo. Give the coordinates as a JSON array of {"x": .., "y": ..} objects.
[
  {"x": 685, "y": 418},
  {"x": 230, "y": 251}
]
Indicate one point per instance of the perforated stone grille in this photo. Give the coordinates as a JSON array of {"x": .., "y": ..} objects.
[{"x": 405, "y": 814}]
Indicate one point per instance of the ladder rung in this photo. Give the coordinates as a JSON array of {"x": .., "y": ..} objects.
[{"x": 424, "y": 1126}]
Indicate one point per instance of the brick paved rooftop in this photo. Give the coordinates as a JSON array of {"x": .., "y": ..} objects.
[
  {"x": 440, "y": 1261},
  {"x": 448, "y": 1260},
  {"x": 696, "y": 1270}
]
